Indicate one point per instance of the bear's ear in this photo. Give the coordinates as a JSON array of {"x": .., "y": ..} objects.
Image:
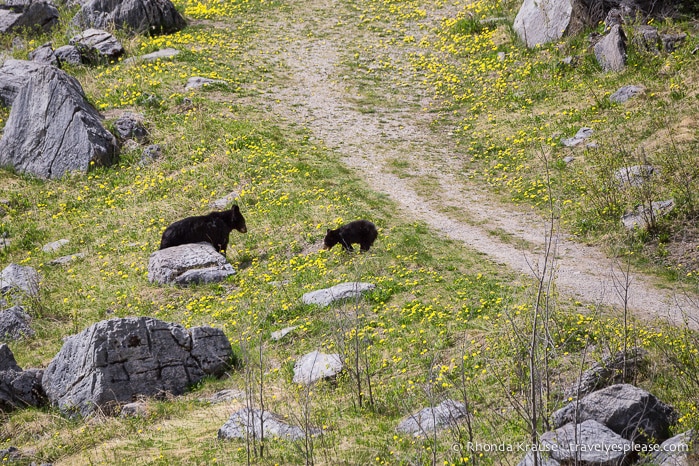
[
  {"x": 235, "y": 208},
  {"x": 328, "y": 232}
]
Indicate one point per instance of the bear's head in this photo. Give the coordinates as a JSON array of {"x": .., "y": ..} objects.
[
  {"x": 332, "y": 237},
  {"x": 237, "y": 219}
]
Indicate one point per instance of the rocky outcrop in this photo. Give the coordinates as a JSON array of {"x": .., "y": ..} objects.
[
  {"x": 52, "y": 128},
  {"x": 27, "y": 14},
  {"x": 142, "y": 16},
  {"x": 629, "y": 411},
  {"x": 187, "y": 264},
  {"x": 115, "y": 360},
  {"x": 343, "y": 291}
]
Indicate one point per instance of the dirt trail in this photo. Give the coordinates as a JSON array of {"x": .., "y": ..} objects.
[{"x": 315, "y": 95}]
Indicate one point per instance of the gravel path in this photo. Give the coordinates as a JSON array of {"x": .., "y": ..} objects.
[{"x": 315, "y": 95}]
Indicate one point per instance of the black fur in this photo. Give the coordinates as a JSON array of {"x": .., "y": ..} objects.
[
  {"x": 213, "y": 228},
  {"x": 362, "y": 232}
]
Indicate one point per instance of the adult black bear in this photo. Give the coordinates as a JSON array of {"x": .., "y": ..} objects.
[
  {"x": 212, "y": 228},
  {"x": 360, "y": 231}
]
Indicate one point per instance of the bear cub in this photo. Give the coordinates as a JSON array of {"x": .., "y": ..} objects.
[
  {"x": 362, "y": 232},
  {"x": 212, "y": 228}
]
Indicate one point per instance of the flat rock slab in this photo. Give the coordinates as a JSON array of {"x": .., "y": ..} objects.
[
  {"x": 115, "y": 360},
  {"x": 315, "y": 366},
  {"x": 197, "y": 82},
  {"x": 327, "y": 296},
  {"x": 22, "y": 278},
  {"x": 55, "y": 245},
  {"x": 14, "y": 324},
  {"x": 187, "y": 264},
  {"x": 157, "y": 55},
  {"x": 427, "y": 420},
  {"x": 581, "y": 136},
  {"x": 587, "y": 444},
  {"x": 279, "y": 334},
  {"x": 247, "y": 423},
  {"x": 625, "y": 93},
  {"x": 63, "y": 260},
  {"x": 629, "y": 411}
]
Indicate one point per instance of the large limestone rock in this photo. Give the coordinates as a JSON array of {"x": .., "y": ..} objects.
[
  {"x": 588, "y": 443},
  {"x": 327, "y": 296},
  {"x": 52, "y": 128},
  {"x": 14, "y": 74},
  {"x": 188, "y": 263},
  {"x": 27, "y": 14},
  {"x": 142, "y": 16},
  {"x": 629, "y": 411},
  {"x": 542, "y": 21},
  {"x": 115, "y": 360},
  {"x": 428, "y": 420}
]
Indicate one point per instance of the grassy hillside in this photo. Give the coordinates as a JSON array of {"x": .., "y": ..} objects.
[{"x": 444, "y": 322}]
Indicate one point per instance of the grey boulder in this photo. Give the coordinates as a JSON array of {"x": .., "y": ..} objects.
[
  {"x": 142, "y": 16},
  {"x": 7, "y": 359},
  {"x": 631, "y": 412},
  {"x": 68, "y": 54},
  {"x": 20, "y": 278},
  {"x": 52, "y": 128},
  {"x": 44, "y": 54},
  {"x": 14, "y": 74},
  {"x": 625, "y": 93},
  {"x": 20, "y": 389},
  {"x": 130, "y": 126},
  {"x": 316, "y": 366},
  {"x": 586, "y": 444},
  {"x": 610, "y": 52},
  {"x": 32, "y": 15},
  {"x": 327, "y": 296},
  {"x": 115, "y": 360},
  {"x": 97, "y": 46},
  {"x": 674, "y": 451},
  {"x": 581, "y": 136},
  {"x": 14, "y": 324},
  {"x": 644, "y": 217},
  {"x": 542, "y": 21},
  {"x": 188, "y": 264},
  {"x": 428, "y": 420}
]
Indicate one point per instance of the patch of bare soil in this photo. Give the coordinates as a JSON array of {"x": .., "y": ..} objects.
[{"x": 315, "y": 94}]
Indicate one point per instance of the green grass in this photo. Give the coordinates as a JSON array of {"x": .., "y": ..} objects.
[{"x": 441, "y": 314}]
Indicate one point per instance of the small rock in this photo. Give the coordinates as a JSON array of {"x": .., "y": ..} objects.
[
  {"x": 625, "y": 93},
  {"x": 14, "y": 324},
  {"x": 646, "y": 37},
  {"x": 54, "y": 246},
  {"x": 225, "y": 201},
  {"x": 427, "y": 420},
  {"x": 672, "y": 41},
  {"x": 279, "y": 334},
  {"x": 315, "y": 366},
  {"x": 68, "y": 54},
  {"x": 254, "y": 423},
  {"x": 197, "y": 82},
  {"x": 226, "y": 395},
  {"x": 150, "y": 154},
  {"x": 130, "y": 126},
  {"x": 44, "y": 54},
  {"x": 97, "y": 46},
  {"x": 580, "y": 137},
  {"x": 634, "y": 176},
  {"x": 568, "y": 159},
  {"x": 327, "y": 296},
  {"x": 67, "y": 259},
  {"x": 135, "y": 409}
]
